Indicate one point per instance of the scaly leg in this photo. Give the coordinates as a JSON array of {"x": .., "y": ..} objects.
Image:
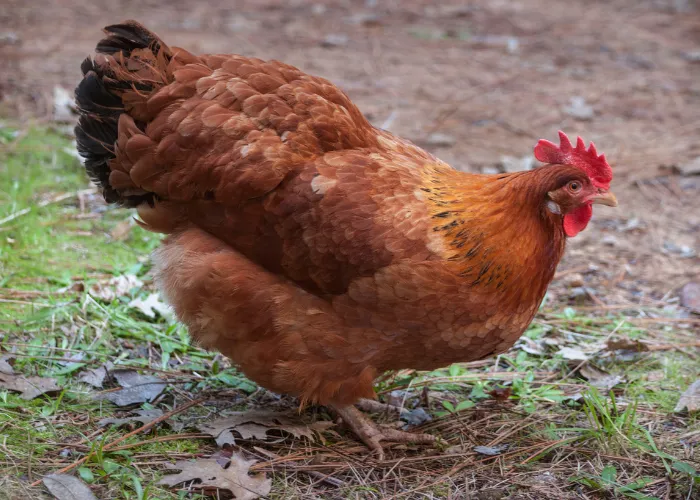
[{"x": 371, "y": 433}]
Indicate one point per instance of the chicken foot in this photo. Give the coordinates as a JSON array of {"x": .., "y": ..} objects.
[{"x": 371, "y": 434}]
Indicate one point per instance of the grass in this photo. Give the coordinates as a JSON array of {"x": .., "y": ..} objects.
[{"x": 557, "y": 436}]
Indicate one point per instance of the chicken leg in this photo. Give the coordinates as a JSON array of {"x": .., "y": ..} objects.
[{"x": 371, "y": 434}]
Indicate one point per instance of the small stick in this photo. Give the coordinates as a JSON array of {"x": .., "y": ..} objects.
[
  {"x": 42, "y": 204},
  {"x": 111, "y": 445}
]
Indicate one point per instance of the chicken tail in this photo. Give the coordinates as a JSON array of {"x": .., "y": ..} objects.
[{"x": 130, "y": 65}]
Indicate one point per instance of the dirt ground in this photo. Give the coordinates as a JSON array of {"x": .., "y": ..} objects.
[{"x": 471, "y": 81}]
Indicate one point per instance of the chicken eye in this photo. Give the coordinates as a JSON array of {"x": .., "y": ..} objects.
[{"x": 574, "y": 186}]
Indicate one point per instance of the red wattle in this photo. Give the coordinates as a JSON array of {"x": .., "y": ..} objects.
[{"x": 577, "y": 220}]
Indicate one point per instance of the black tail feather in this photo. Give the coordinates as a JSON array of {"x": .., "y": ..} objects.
[{"x": 100, "y": 106}]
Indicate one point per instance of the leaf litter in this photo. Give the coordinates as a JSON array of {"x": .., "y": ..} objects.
[
  {"x": 119, "y": 286},
  {"x": 600, "y": 378},
  {"x": 690, "y": 399},
  {"x": 135, "y": 388},
  {"x": 256, "y": 424},
  {"x": 141, "y": 416},
  {"x": 65, "y": 487},
  {"x": 152, "y": 305},
  {"x": 96, "y": 377},
  {"x": 5, "y": 366},
  {"x": 28, "y": 387},
  {"x": 208, "y": 473}
]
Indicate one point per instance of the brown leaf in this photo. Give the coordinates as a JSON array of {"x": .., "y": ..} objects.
[
  {"x": 690, "y": 399},
  {"x": 256, "y": 424},
  {"x": 210, "y": 474},
  {"x": 626, "y": 344},
  {"x": 501, "y": 393},
  {"x": 142, "y": 416},
  {"x": 30, "y": 387},
  {"x": 137, "y": 388},
  {"x": 65, "y": 487}
]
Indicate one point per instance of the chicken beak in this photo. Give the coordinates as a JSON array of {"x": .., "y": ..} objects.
[{"x": 604, "y": 197}]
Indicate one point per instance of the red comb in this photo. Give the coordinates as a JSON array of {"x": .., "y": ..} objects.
[{"x": 588, "y": 160}]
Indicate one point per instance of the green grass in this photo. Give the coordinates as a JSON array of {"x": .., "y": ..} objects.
[{"x": 59, "y": 240}]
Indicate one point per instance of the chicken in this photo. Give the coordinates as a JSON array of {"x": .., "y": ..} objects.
[{"x": 311, "y": 248}]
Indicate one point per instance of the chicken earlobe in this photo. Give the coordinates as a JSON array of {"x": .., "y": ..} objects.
[{"x": 372, "y": 434}]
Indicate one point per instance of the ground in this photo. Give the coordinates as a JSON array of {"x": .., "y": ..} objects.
[{"x": 584, "y": 405}]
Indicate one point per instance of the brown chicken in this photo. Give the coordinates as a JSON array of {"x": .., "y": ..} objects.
[{"x": 313, "y": 249}]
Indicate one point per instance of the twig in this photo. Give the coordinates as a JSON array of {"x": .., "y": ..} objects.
[
  {"x": 111, "y": 445},
  {"x": 42, "y": 204}
]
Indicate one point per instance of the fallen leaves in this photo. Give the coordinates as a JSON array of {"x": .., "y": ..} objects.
[
  {"x": 256, "y": 424},
  {"x": 626, "y": 344},
  {"x": 65, "y": 487},
  {"x": 210, "y": 474},
  {"x": 690, "y": 399},
  {"x": 96, "y": 377},
  {"x": 142, "y": 416},
  {"x": 152, "y": 305},
  {"x": 29, "y": 387},
  {"x": 572, "y": 353},
  {"x": 5, "y": 366},
  {"x": 600, "y": 378},
  {"x": 115, "y": 287},
  {"x": 136, "y": 388}
]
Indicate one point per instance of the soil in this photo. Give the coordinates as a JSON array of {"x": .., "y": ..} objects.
[{"x": 470, "y": 81}]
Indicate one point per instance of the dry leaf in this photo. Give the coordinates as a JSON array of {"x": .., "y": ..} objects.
[
  {"x": 625, "y": 344},
  {"x": 65, "y": 487},
  {"x": 30, "y": 387},
  {"x": 136, "y": 388},
  {"x": 501, "y": 393},
  {"x": 573, "y": 353},
  {"x": 153, "y": 305},
  {"x": 530, "y": 346},
  {"x": 5, "y": 366},
  {"x": 142, "y": 416},
  {"x": 210, "y": 474},
  {"x": 118, "y": 286},
  {"x": 600, "y": 378},
  {"x": 491, "y": 451},
  {"x": 97, "y": 376},
  {"x": 690, "y": 399},
  {"x": 256, "y": 424}
]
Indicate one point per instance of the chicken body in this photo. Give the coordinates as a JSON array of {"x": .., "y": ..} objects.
[{"x": 311, "y": 248}]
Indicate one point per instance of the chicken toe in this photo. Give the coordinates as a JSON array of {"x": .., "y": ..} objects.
[{"x": 371, "y": 434}]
